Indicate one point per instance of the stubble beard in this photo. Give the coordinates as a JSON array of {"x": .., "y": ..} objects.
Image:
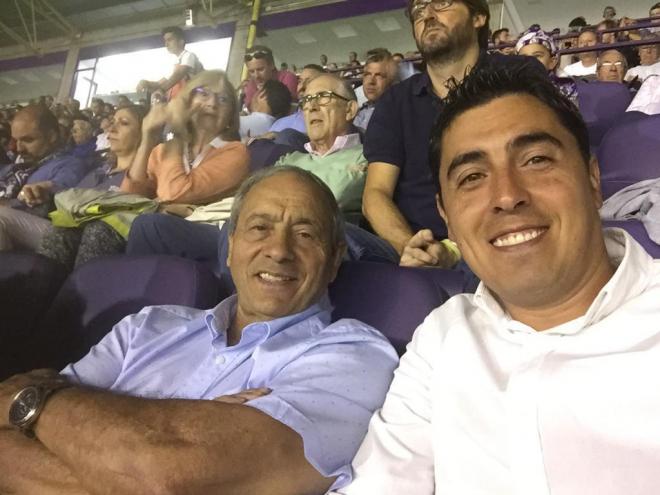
[{"x": 446, "y": 46}]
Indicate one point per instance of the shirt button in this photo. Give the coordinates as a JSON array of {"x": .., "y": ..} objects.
[{"x": 219, "y": 360}]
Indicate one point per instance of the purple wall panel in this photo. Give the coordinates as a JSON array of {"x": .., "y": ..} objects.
[
  {"x": 35, "y": 61},
  {"x": 341, "y": 10}
]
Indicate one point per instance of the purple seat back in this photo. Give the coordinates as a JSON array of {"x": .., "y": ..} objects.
[
  {"x": 630, "y": 153},
  {"x": 636, "y": 229},
  {"x": 392, "y": 299},
  {"x": 28, "y": 284},
  {"x": 601, "y": 105},
  {"x": 100, "y": 293}
]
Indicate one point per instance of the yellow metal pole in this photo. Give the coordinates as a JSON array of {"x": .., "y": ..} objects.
[{"x": 252, "y": 32}]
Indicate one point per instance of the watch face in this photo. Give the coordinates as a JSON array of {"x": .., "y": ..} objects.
[{"x": 25, "y": 405}]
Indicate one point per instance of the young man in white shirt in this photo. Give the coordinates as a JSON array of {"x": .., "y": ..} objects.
[
  {"x": 546, "y": 379},
  {"x": 186, "y": 66},
  {"x": 586, "y": 66}
]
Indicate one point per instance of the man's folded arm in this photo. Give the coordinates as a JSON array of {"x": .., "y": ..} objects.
[
  {"x": 27, "y": 467},
  {"x": 120, "y": 444}
]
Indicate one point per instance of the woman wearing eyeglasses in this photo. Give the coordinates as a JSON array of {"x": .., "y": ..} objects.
[
  {"x": 261, "y": 68},
  {"x": 205, "y": 161}
]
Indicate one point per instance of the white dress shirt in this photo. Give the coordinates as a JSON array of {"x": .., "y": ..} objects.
[
  {"x": 482, "y": 404},
  {"x": 578, "y": 69}
]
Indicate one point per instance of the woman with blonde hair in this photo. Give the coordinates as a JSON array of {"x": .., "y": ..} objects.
[{"x": 205, "y": 160}]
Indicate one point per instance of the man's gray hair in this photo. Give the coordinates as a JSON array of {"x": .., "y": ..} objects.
[
  {"x": 337, "y": 234},
  {"x": 346, "y": 87}
]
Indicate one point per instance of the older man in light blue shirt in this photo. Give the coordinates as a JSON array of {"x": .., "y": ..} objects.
[{"x": 293, "y": 392}]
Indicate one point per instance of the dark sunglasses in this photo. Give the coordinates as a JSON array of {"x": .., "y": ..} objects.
[{"x": 258, "y": 54}]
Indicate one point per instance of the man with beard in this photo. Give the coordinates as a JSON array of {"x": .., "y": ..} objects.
[{"x": 399, "y": 196}]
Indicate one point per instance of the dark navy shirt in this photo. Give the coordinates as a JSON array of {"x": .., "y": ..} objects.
[{"x": 399, "y": 134}]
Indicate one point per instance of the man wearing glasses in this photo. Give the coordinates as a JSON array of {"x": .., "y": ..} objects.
[
  {"x": 612, "y": 66},
  {"x": 261, "y": 68},
  {"x": 399, "y": 196},
  {"x": 334, "y": 151}
]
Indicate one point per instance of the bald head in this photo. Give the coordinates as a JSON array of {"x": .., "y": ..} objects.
[{"x": 36, "y": 131}]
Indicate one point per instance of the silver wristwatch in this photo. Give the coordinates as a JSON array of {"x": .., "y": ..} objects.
[{"x": 28, "y": 403}]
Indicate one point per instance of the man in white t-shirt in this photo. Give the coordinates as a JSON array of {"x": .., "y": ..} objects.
[
  {"x": 186, "y": 66},
  {"x": 586, "y": 66},
  {"x": 649, "y": 59},
  {"x": 545, "y": 381}
]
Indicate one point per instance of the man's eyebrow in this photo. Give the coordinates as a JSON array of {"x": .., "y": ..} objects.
[
  {"x": 533, "y": 138},
  {"x": 464, "y": 159}
]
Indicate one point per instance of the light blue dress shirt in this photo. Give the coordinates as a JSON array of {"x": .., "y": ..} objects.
[
  {"x": 294, "y": 121},
  {"x": 326, "y": 378}
]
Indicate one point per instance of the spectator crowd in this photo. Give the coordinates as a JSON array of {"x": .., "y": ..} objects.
[{"x": 474, "y": 155}]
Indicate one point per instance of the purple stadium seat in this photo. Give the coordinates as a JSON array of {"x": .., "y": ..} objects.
[
  {"x": 392, "y": 299},
  {"x": 630, "y": 153},
  {"x": 636, "y": 229},
  {"x": 602, "y": 104},
  {"x": 100, "y": 293},
  {"x": 28, "y": 284}
]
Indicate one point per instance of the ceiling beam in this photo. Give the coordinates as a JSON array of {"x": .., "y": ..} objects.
[
  {"x": 50, "y": 13},
  {"x": 17, "y": 37}
]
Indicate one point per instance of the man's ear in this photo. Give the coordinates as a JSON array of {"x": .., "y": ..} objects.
[
  {"x": 230, "y": 244},
  {"x": 594, "y": 181},
  {"x": 478, "y": 21},
  {"x": 351, "y": 110},
  {"x": 338, "y": 257},
  {"x": 443, "y": 215}
]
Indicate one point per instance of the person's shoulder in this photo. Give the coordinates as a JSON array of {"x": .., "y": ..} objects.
[
  {"x": 453, "y": 315},
  {"x": 348, "y": 331}
]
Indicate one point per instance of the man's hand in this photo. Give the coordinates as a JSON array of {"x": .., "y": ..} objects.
[
  {"x": 244, "y": 396},
  {"x": 35, "y": 194},
  {"x": 11, "y": 386},
  {"x": 424, "y": 250}
]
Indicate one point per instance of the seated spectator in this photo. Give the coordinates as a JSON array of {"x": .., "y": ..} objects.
[
  {"x": 544, "y": 381},
  {"x": 296, "y": 120},
  {"x": 378, "y": 75},
  {"x": 72, "y": 246},
  {"x": 649, "y": 59},
  {"x": 84, "y": 142},
  {"x": 607, "y": 38},
  {"x": 41, "y": 167},
  {"x": 261, "y": 67},
  {"x": 540, "y": 45},
  {"x": 609, "y": 13},
  {"x": 654, "y": 12},
  {"x": 503, "y": 37},
  {"x": 399, "y": 196},
  {"x": 612, "y": 66},
  {"x": 261, "y": 394},
  {"x": 586, "y": 66},
  {"x": 65, "y": 122},
  {"x": 205, "y": 161},
  {"x": 334, "y": 152},
  {"x": 102, "y": 142},
  {"x": 98, "y": 112},
  {"x": 271, "y": 103},
  {"x": 123, "y": 101}
]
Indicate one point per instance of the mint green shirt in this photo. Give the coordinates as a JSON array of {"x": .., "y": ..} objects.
[{"x": 344, "y": 171}]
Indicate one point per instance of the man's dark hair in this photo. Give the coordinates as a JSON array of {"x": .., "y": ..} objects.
[
  {"x": 278, "y": 97},
  {"x": 475, "y": 7},
  {"x": 176, "y": 31},
  {"x": 315, "y": 67},
  {"x": 46, "y": 120},
  {"x": 482, "y": 86},
  {"x": 496, "y": 34},
  {"x": 577, "y": 23}
]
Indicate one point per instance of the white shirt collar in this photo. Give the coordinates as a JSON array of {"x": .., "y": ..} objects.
[
  {"x": 629, "y": 280},
  {"x": 341, "y": 142}
]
